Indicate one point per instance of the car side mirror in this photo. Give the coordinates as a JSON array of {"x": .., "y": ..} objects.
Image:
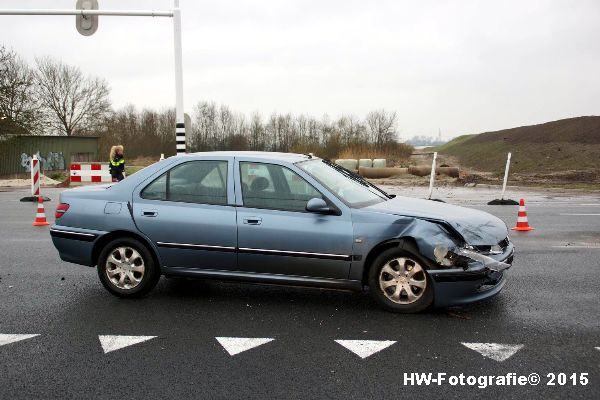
[{"x": 318, "y": 205}]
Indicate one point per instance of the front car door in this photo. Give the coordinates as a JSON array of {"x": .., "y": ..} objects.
[
  {"x": 276, "y": 235},
  {"x": 189, "y": 214}
]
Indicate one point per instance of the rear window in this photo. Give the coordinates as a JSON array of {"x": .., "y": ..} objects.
[{"x": 202, "y": 182}]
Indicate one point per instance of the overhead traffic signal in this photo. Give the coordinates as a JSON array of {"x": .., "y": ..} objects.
[{"x": 87, "y": 25}]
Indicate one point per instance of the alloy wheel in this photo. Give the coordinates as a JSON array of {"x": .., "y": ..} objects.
[
  {"x": 125, "y": 267},
  {"x": 402, "y": 280}
]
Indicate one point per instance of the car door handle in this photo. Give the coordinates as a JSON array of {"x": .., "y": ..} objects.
[
  {"x": 252, "y": 220},
  {"x": 149, "y": 213}
]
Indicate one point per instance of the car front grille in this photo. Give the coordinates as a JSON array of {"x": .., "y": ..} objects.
[{"x": 486, "y": 249}]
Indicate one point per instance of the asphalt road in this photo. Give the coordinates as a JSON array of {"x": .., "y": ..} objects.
[{"x": 550, "y": 306}]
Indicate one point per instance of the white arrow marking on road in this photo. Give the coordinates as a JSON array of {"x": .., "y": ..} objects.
[
  {"x": 236, "y": 345},
  {"x": 495, "y": 351},
  {"x": 597, "y": 348},
  {"x": 8, "y": 338},
  {"x": 583, "y": 215},
  {"x": 115, "y": 342},
  {"x": 365, "y": 348}
]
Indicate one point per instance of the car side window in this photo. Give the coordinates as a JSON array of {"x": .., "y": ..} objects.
[
  {"x": 217, "y": 178},
  {"x": 157, "y": 190},
  {"x": 202, "y": 182},
  {"x": 274, "y": 187}
]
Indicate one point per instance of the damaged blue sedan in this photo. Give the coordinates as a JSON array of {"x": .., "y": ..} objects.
[{"x": 280, "y": 218}]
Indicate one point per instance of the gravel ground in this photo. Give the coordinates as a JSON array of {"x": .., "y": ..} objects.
[{"x": 17, "y": 183}]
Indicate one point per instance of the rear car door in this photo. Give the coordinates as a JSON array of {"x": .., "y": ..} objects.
[
  {"x": 189, "y": 213},
  {"x": 276, "y": 235}
]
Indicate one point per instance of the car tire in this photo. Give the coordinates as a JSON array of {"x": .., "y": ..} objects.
[
  {"x": 127, "y": 269},
  {"x": 399, "y": 282}
]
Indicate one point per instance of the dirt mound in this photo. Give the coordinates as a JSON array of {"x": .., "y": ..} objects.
[
  {"x": 571, "y": 130},
  {"x": 566, "y": 145}
]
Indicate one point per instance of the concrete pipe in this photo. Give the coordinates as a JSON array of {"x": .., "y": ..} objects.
[
  {"x": 452, "y": 172},
  {"x": 377, "y": 173},
  {"x": 419, "y": 170},
  {"x": 426, "y": 170}
]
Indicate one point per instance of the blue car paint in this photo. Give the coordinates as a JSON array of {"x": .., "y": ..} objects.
[{"x": 285, "y": 247}]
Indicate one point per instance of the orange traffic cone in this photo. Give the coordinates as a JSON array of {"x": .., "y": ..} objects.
[
  {"x": 40, "y": 216},
  {"x": 522, "y": 223}
]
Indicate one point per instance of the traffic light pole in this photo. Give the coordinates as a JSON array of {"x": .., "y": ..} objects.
[
  {"x": 179, "y": 116},
  {"x": 175, "y": 14}
]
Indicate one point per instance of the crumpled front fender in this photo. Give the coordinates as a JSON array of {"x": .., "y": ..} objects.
[{"x": 373, "y": 229}]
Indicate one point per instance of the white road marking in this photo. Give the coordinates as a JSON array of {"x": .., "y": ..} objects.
[
  {"x": 582, "y": 215},
  {"x": 560, "y": 204},
  {"x": 495, "y": 351},
  {"x": 11, "y": 338},
  {"x": 27, "y": 240},
  {"x": 597, "y": 348},
  {"x": 576, "y": 247},
  {"x": 365, "y": 348},
  {"x": 115, "y": 342},
  {"x": 235, "y": 345}
]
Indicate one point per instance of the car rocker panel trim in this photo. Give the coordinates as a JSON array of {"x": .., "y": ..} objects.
[
  {"x": 326, "y": 256},
  {"x": 247, "y": 250},
  {"x": 189, "y": 246}
]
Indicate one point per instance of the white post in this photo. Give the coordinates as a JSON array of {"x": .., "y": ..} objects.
[
  {"x": 432, "y": 177},
  {"x": 505, "y": 176},
  {"x": 179, "y": 117}
]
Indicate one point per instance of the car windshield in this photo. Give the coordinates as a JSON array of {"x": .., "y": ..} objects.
[{"x": 350, "y": 188}]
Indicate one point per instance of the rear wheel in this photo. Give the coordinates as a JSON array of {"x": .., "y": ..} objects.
[
  {"x": 399, "y": 282},
  {"x": 126, "y": 268}
]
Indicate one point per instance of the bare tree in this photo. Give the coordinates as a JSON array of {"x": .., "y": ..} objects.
[
  {"x": 382, "y": 127},
  {"x": 73, "y": 103},
  {"x": 218, "y": 127},
  {"x": 204, "y": 128},
  {"x": 351, "y": 129},
  {"x": 19, "y": 108},
  {"x": 257, "y": 132}
]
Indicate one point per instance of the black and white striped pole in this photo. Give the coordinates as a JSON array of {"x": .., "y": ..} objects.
[{"x": 179, "y": 116}]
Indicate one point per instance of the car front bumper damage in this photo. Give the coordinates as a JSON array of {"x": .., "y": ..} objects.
[{"x": 478, "y": 281}]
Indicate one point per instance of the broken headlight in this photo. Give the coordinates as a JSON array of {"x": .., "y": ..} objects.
[{"x": 465, "y": 257}]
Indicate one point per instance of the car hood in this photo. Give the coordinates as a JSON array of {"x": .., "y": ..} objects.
[{"x": 478, "y": 228}]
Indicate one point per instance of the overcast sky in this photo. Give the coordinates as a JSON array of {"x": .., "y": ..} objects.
[{"x": 458, "y": 66}]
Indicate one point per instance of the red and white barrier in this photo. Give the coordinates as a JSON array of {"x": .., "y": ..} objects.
[
  {"x": 90, "y": 173},
  {"x": 35, "y": 176},
  {"x": 34, "y": 167}
]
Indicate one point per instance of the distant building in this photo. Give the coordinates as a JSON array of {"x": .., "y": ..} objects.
[{"x": 422, "y": 140}]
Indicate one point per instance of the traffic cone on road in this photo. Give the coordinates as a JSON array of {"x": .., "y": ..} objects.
[
  {"x": 40, "y": 216},
  {"x": 522, "y": 223}
]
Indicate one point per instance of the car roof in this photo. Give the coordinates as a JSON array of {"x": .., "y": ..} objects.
[{"x": 263, "y": 155}]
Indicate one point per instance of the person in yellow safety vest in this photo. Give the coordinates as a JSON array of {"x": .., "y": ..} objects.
[{"x": 117, "y": 163}]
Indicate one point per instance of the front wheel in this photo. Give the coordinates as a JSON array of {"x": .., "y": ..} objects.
[
  {"x": 399, "y": 282},
  {"x": 126, "y": 268}
]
